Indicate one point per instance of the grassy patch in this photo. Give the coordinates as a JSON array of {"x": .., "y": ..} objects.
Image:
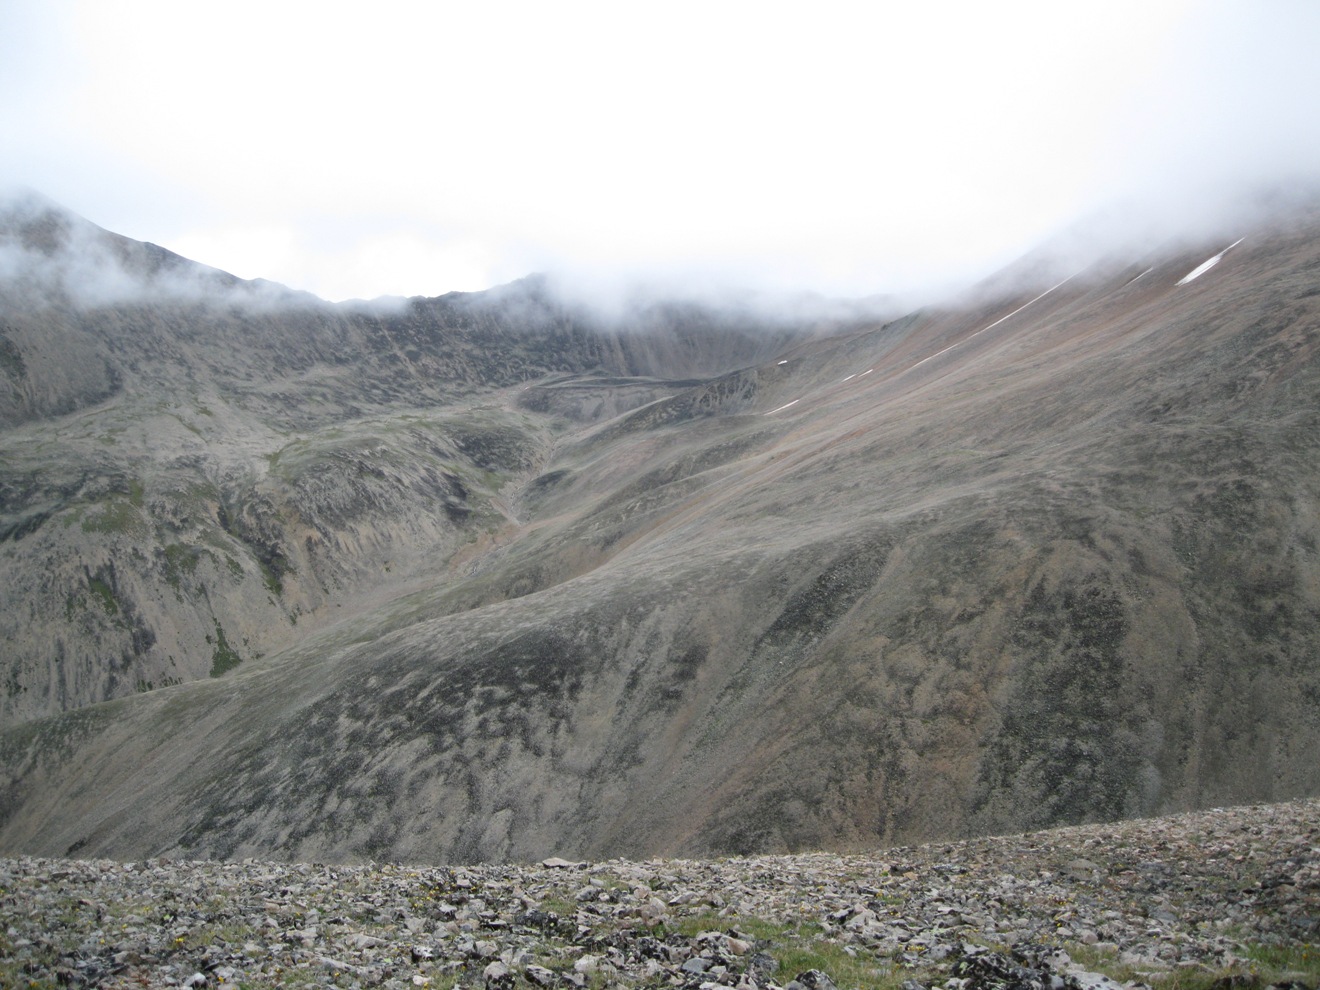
[
  {"x": 833, "y": 960},
  {"x": 442, "y": 981},
  {"x": 1105, "y": 962},
  {"x": 119, "y": 515},
  {"x": 180, "y": 560},
  {"x": 561, "y": 906},
  {"x": 300, "y": 976},
  {"x": 798, "y": 946},
  {"x": 104, "y": 595},
  {"x": 271, "y": 577},
  {"x": 492, "y": 481},
  {"x": 1267, "y": 964},
  {"x": 226, "y": 933},
  {"x": 44, "y": 958},
  {"x": 1274, "y": 962},
  {"x": 224, "y": 658}
]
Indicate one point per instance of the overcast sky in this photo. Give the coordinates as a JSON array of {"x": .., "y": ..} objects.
[{"x": 360, "y": 149}]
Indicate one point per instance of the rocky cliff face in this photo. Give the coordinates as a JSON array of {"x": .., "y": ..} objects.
[{"x": 480, "y": 578}]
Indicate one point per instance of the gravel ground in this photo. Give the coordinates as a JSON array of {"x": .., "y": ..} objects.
[{"x": 1226, "y": 899}]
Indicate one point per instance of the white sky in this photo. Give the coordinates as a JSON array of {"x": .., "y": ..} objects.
[{"x": 360, "y": 149}]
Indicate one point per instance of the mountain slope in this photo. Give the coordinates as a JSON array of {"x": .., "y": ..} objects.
[
  {"x": 1036, "y": 557},
  {"x": 195, "y": 470}
]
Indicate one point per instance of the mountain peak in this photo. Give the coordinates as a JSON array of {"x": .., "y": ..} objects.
[
  {"x": 37, "y": 223},
  {"x": 50, "y": 254}
]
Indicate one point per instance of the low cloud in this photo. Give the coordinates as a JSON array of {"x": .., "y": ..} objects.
[{"x": 50, "y": 256}]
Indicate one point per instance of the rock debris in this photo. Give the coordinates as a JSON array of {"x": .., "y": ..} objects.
[{"x": 1231, "y": 896}]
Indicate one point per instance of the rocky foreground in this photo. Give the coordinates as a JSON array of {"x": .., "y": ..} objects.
[{"x": 1227, "y": 898}]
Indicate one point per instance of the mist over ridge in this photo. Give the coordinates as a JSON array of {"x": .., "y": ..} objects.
[{"x": 46, "y": 249}]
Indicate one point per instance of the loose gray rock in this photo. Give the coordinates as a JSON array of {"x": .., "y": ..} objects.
[
  {"x": 1230, "y": 879},
  {"x": 812, "y": 979}
]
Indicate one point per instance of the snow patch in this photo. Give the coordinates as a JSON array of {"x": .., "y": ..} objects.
[
  {"x": 1206, "y": 265},
  {"x": 938, "y": 353},
  {"x": 1028, "y": 303},
  {"x": 997, "y": 322}
]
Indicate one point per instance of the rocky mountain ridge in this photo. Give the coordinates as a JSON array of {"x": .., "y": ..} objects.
[{"x": 1047, "y": 554}]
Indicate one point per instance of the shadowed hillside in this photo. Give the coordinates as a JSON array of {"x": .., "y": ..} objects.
[{"x": 480, "y": 578}]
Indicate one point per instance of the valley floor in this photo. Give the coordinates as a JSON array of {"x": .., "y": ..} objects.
[{"x": 1227, "y": 898}]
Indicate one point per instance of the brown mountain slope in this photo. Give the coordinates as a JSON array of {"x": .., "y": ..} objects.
[{"x": 1027, "y": 560}]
